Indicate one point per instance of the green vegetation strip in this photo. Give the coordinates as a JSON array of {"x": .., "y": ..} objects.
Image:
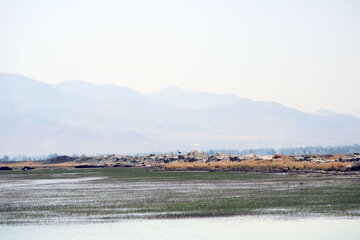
[{"x": 132, "y": 193}]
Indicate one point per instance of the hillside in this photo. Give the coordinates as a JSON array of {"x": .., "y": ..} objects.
[{"x": 80, "y": 117}]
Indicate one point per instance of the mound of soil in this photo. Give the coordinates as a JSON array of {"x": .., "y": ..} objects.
[{"x": 5, "y": 169}]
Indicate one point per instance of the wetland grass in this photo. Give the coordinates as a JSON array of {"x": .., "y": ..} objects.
[{"x": 110, "y": 194}]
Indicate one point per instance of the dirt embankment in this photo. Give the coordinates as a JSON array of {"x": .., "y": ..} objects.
[{"x": 196, "y": 160}]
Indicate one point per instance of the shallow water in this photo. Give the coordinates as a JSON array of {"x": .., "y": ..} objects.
[
  {"x": 26, "y": 183},
  {"x": 112, "y": 196},
  {"x": 194, "y": 228}
]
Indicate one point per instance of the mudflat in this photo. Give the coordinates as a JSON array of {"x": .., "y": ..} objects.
[{"x": 110, "y": 194}]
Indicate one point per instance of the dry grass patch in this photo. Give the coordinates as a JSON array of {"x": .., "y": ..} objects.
[
  {"x": 336, "y": 166},
  {"x": 279, "y": 164}
]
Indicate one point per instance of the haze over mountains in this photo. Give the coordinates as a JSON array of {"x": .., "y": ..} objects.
[{"x": 80, "y": 117}]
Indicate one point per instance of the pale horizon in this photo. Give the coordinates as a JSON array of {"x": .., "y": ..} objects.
[{"x": 302, "y": 54}]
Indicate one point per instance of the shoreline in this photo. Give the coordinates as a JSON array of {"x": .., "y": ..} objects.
[{"x": 196, "y": 160}]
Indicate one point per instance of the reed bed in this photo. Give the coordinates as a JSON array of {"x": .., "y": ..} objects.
[{"x": 275, "y": 164}]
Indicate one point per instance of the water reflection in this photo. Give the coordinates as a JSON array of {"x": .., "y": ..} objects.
[{"x": 194, "y": 228}]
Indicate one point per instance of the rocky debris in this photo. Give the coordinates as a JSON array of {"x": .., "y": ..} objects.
[
  {"x": 219, "y": 157},
  {"x": 355, "y": 157},
  {"x": 119, "y": 158},
  {"x": 196, "y": 156},
  {"x": 253, "y": 156},
  {"x": 355, "y": 166},
  {"x": 167, "y": 157},
  {"x": 326, "y": 158},
  {"x": 158, "y": 160},
  {"x": 320, "y": 160},
  {"x": 267, "y": 157},
  {"x": 308, "y": 158},
  {"x": 5, "y": 168},
  {"x": 26, "y": 168},
  {"x": 348, "y": 159},
  {"x": 115, "y": 160},
  {"x": 223, "y": 157},
  {"x": 59, "y": 159},
  {"x": 103, "y": 160}
]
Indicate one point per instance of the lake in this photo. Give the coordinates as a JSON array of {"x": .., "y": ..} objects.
[
  {"x": 316, "y": 228},
  {"x": 146, "y": 204}
]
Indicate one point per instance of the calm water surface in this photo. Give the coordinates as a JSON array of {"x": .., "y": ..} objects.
[{"x": 194, "y": 228}]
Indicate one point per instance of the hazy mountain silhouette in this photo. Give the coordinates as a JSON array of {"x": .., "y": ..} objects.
[
  {"x": 324, "y": 112},
  {"x": 355, "y": 112},
  {"x": 80, "y": 117},
  {"x": 176, "y": 97}
]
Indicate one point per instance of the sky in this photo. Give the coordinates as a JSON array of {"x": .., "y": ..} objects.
[{"x": 302, "y": 54}]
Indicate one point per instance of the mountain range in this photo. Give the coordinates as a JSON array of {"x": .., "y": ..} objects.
[{"x": 80, "y": 117}]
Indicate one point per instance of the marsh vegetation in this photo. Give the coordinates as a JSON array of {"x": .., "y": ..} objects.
[{"x": 110, "y": 194}]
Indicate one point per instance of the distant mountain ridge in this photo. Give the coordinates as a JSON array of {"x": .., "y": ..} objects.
[
  {"x": 178, "y": 98},
  {"x": 80, "y": 117},
  {"x": 324, "y": 112}
]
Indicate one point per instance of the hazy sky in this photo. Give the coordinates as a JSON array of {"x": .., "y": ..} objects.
[{"x": 303, "y": 54}]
